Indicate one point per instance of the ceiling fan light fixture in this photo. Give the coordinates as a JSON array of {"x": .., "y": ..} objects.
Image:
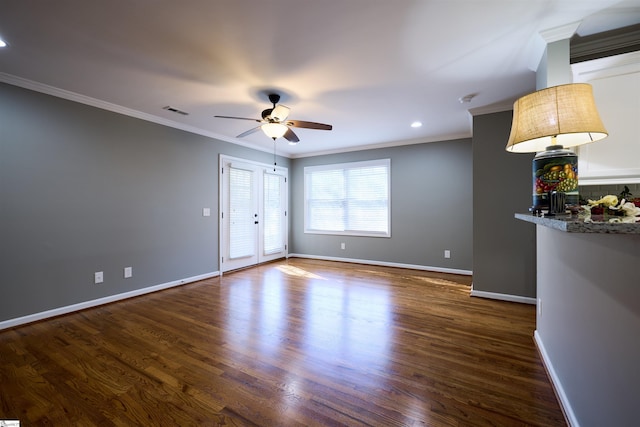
[
  {"x": 274, "y": 130},
  {"x": 279, "y": 113}
]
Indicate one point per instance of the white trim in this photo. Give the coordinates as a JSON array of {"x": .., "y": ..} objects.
[
  {"x": 222, "y": 194},
  {"x": 94, "y": 102},
  {"x": 563, "y": 32},
  {"x": 100, "y": 301},
  {"x": 392, "y": 144},
  {"x": 104, "y": 105},
  {"x": 341, "y": 168},
  {"x": 280, "y": 170},
  {"x": 569, "y": 415},
  {"x": 609, "y": 66},
  {"x": 384, "y": 264},
  {"x": 502, "y": 297},
  {"x": 498, "y": 107},
  {"x": 610, "y": 180}
]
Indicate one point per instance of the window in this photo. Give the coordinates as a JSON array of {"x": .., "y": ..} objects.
[{"x": 348, "y": 198}]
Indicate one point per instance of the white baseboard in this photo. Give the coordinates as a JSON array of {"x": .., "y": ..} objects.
[
  {"x": 555, "y": 381},
  {"x": 100, "y": 301},
  {"x": 503, "y": 297},
  {"x": 384, "y": 264}
]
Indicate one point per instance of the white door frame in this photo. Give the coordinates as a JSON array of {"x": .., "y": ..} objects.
[{"x": 262, "y": 168}]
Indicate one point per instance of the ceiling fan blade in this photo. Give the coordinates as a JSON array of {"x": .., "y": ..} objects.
[
  {"x": 249, "y": 132},
  {"x": 280, "y": 113},
  {"x": 308, "y": 125},
  {"x": 239, "y": 118},
  {"x": 290, "y": 136}
]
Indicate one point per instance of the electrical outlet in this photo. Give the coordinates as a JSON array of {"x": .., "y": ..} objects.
[
  {"x": 98, "y": 277},
  {"x": 447, "y": 253},
  {"x": 128, "y": 272},
  {"x": 343, "y": 245}
]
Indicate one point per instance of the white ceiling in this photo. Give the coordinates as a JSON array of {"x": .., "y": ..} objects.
[{"x": 368, "y": 67}]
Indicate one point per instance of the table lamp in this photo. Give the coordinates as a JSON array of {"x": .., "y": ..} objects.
[{"x": 547, "y": 122}]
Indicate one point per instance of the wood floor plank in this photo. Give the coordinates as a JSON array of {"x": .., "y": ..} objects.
[{"x": 291, "y": 343}]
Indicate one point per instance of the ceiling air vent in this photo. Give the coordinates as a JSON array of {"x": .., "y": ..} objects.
[{"x": 175, "y": 110}]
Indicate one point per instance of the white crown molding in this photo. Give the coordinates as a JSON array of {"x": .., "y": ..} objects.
[
  {"x": 93, "y": 102},
  {"x": 493, "y": 108},
  {"x": 402, "y": 143},
  {"x": 563, "y": 32},
  {"x": 76, "y": 97}
]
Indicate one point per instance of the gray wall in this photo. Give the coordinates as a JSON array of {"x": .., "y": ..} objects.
[
  {"x": 589, "y": 321},
  {"x": 431, "y": 208},
  {"x": 85, "y": 190},
  {"x": 503, "y": 248}
]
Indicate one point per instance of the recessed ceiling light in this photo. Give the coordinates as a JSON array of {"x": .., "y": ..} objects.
[
  {"x": 3, "y": 43},
  {"x": 416, "y": 124}
]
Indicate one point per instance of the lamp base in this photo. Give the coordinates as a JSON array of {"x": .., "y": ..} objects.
[{"x": 555, "y": 180}]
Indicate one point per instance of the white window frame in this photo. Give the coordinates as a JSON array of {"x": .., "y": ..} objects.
[{"x": 345, "y": 166}]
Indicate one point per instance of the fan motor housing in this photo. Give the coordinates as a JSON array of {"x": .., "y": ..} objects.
[{"x": 266, "y": 113}]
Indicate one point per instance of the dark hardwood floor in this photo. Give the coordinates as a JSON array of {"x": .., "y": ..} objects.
[{"x": 291, "y": 343}]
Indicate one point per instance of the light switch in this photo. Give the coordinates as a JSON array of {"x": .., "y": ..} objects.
[{"x": 206, "y": 211}]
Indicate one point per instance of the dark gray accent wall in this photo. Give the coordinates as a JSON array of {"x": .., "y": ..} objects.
[
  {"x": 430, "y": 208},
  {"x": 504, "y": 249},
  {"x": 85, "y": 190}
]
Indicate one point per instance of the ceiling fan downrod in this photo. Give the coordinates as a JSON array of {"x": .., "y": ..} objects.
[{"x": 274, "y": 154}]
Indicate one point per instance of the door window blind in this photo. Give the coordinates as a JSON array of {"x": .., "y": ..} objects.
[
  {"x": 273, "y": 214},
  {"x": 241, "y": 210}
]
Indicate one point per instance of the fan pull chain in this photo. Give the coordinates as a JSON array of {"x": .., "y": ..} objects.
[{"x": 274, "y": 155}]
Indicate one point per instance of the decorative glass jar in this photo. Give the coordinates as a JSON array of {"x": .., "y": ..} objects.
[{"x": 555, "y": 171}]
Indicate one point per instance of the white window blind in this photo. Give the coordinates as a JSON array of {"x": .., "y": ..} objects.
[
  {"x": 273, "y": 214},
  {"x": 241, "y": 220},
  {"x": 348, "y": 198}
]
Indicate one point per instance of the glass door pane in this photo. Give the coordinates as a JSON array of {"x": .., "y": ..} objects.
[
  {"x": 273, "y": 215},
  {"x": 242, "y": 214},
  {"x": 253, "y": 203}
]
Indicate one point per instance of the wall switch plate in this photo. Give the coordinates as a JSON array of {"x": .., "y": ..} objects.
[
  {"x": 128, "y": 272},
  {"x": 343, "y": 245},
  {"x": 447, "y": 253},
  {"x": 98, "y": 277},
  {"x": 206, "y": 211}
]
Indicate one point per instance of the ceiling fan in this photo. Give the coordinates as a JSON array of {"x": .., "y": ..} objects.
[{"x": 274, "y": 122}]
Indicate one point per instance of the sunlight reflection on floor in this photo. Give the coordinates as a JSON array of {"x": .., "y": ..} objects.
[
  {"x": 347, "y": 323},
  {"x": 298, "y": 272},
  {"x": 435, "y": 281}
]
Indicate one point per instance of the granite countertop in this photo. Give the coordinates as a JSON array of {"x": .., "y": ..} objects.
[{"x": 575, "y": 225}]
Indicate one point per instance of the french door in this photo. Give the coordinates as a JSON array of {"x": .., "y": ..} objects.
[{"x": 253, "y": 225}]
